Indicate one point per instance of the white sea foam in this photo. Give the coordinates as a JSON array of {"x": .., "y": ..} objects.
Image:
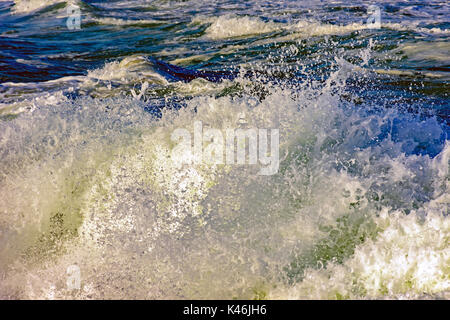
[
  {"x": 426, "y": 51},
  {"x": 229, "y": 26},
  {"x": 26, "y": 6},
  {"x": 410, "y": 259},
  {"x": 112, "y": 79},
  {"x": 102, "y": 167}
]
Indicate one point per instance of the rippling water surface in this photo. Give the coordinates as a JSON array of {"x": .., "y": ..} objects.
[{"x": 357, "y": 210}]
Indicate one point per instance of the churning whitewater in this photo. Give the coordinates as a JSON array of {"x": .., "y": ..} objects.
[{"x": 94, "y": 205}]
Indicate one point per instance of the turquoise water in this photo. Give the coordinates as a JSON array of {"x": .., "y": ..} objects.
[{"x": 357, "y": 210}]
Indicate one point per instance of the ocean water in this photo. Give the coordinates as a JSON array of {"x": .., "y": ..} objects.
[{"x": 93, "y": 207}]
